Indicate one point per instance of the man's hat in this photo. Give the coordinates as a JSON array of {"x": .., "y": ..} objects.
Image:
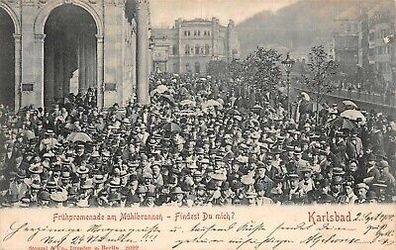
[
  {"x": 362, "y": 186},
  {"x": 337, "y": 180},
  {"x": 51, "y": 184},
  {"x": 338, "y": 171},
  {"x": 98, "y": 179},
  {"x": 82, "y": 203},
  {"x": 371, "y": 195},
  {"x": 211, "y": 186},
  {"x": 141, "y": 189},
  {"x": 65, "y": 175},
  {"x": 87, "y": 184},
  {"x": 114, "y": 197},
  {"x": 177, "y": 190},
  {"x": 35, "y": 169},
  {"x": 35, "y": 185},
  {"x": 21, "y": 174},
  {"x": 82, "y": 170},
  {"x": 115, "y": 183}
]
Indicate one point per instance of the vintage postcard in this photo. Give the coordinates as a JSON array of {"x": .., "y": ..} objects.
[{"x": 197, "y": 124}]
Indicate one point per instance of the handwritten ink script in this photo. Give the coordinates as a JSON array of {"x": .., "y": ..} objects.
[{"x": 204, "y": 229}]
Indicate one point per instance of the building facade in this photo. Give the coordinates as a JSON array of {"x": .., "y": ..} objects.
[
  {"x": 63, "y": 46},
  {"x": 345, "y": 39},
  {"x": 381, "y": 24},
  {"x": 191, "y": 44},
  {"x": 364, "y": 39}
]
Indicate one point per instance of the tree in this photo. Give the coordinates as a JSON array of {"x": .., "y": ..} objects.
[
  {"x": 218, "y": 69},
  {"x": 262, "y": 69},
  {"x": 321, "y": 73}
]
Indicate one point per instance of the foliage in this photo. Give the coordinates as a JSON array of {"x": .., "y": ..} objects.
[
  {"x": 262, "y": 69},
  {"x": 321, "y": 72},
  {"x": 218, "y": 69}
]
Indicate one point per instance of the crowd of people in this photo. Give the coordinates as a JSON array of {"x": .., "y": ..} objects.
[{"x": 198, "y": 143}]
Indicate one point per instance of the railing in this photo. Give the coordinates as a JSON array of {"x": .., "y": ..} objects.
[{"x": 371, "y": 98}]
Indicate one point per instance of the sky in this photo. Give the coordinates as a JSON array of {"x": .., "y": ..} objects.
[{"x": 164, "y": 12}]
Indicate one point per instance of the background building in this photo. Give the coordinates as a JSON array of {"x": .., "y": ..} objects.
[
  {"x": 364, "y": 41},
  {"x": 190, "y": 45},
  {"x": 346, "y": 37},
  {"x": 54, "y": 47}
]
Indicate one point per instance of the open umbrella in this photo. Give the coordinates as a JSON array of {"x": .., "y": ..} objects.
[
  {"x": 171, "y": 127},
  {"x": 211, "y": 103},
  {"x": 187, "y": 112},
  {"x": 188, "y": 103},
  {"x": 353, "y": 115},
  {"x": 162, "y": 89},
  {"x": 29, "y": 134},
  {"x": 305, "y": 96},
  {"x": 343, "y": 123},
  {"x": 348, "y": 103},
  {"x": 313, "y": 107},
  {"x": 78, "y": 136},
  {"x": 169, "y": 99}
]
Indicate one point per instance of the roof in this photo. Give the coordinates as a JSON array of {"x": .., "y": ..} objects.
[{"x": 350, "y": 14}]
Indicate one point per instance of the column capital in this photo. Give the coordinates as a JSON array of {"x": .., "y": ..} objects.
[
  {"x": 140, "y": 4},
  {"x": 17, "y": 37},
  {"x": 39, "y": 37},
  {"x": 100, "y": 38}
]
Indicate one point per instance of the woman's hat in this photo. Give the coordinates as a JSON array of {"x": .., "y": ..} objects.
[{"x": 59, "y": 196}]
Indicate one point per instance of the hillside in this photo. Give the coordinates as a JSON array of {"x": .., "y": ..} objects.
[{"x": 296, "y": 27}]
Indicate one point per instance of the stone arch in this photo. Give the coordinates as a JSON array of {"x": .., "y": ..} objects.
[
  {"x": 44, "y": 13},
  {"x": 14, "y": 17}
]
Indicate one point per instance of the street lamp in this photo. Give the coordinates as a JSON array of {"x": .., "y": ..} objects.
[{"x": 288, "y": 64}]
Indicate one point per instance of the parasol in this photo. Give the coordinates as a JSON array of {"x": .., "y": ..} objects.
[
  {"x": 79, "y": 136},
  {"x": 344, "y": 123},
  {"x": 348, "y": 103},
  {"x": 29, "y": 134},
  {"x": 169, "y": 99},
  {"x": 162, "y": 89},
  {"x": 353, "y": 115},
  {"x": 211, "y": 103},
  {"x": 305, "y": 96},
  {"x": 188, "y": 103},
  {"x": 171, "y": 127},
  {"x": 313, "y": 107}
]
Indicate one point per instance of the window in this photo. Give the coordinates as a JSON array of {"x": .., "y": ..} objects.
[
  {"x": 195, "y": 33},
  {"x": 197, "y": 49},
  {"x": 197, "y": 67},
  {"x": 199, "y": 33},
  {"x": 348, "y": 27},
  {"x": 187, "y": 49},
  {"x": 208, "y": 33},
  {"x": 204, "y": 33},
  {"x": 207, "y": 49},
  {"x": 188, "y": 69},
  {"x": 185, "y": 33},
  {"x": 174, "y": 49}
]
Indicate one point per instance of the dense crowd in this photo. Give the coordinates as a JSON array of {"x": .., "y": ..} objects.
[{"x": 199, "y": 143}]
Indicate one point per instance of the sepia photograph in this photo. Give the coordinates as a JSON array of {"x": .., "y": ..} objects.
[{"x": 197, "y": 104}]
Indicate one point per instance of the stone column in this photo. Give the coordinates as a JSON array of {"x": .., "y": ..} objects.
[
  {"x": 39, "y": 69},
  {"x": 49, "y": 75},
  {"x": 100, "y": 69},
  {"x": 142, "y": 52},
  {"x": 18, "y": 71}
]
